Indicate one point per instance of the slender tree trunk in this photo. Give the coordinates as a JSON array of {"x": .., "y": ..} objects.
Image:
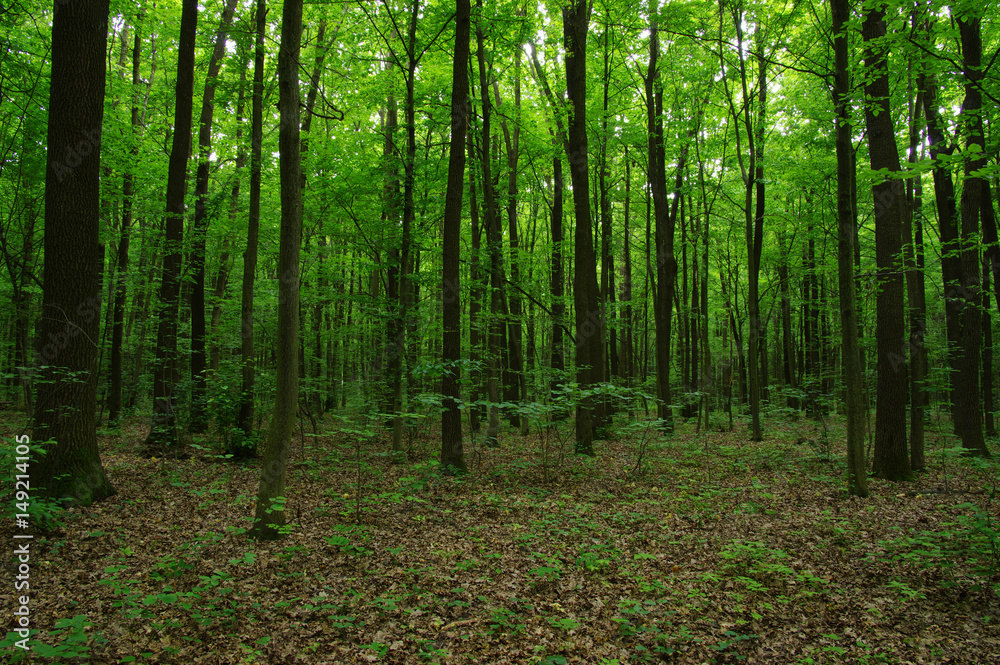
[
  {"x": 917, "y": 309},
  {"x": 494, "y": 241},
  {"x": 269, "y": 516},
  {"x": 162, "y": 432},
  {"x": 121, "y": 285},
  {"x": 225, "y": 263},
  {"x": 988, "y": 376},
  {"x": 944, "y": 196},
  {"x": 476, "y": 410},
  {"x": 666, "y": 264},
  {"x": 514, "y": 328},
  {"x": 199, "y": 410},
  {"x": 857, "y": 466},
  {"x": 451, "y": 418},
  {"x": 755, "y": 243},
  {"x": 247, "y": 358},
  {"x": 557, "y": 280},
  {"x": 627, "y": 358},
  {"x": 891, "y": 455},
  {"x": 604, "y": 205}
]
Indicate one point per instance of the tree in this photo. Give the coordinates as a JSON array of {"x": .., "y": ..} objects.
[
  {"x": 199, "y": 410},
  {"x": 451, "y": 418},
  {"x": 857, "y": 466},
  {"x": 244, "y": 419},
  {"x": 891, "y": 457},
  {"x": 162, "y": 432},
  {"x": 970, "y": 405},
  {"x": 666, "y": 263},
  {"x": 270, "y": 517},
  {"x": 70, "y": 466},
  {"x": 121, "y": 289},
  {"x": 589, "y": 322}
]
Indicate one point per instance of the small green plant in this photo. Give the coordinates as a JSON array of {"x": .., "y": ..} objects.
[
  {"x": 563, "y": 623},
  {"x": 592, "y": 561},
  {"x": 905, "y": 590},
  {"x": 69, "y": 639}
]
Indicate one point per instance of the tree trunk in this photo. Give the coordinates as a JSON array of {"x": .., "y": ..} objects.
[
  {"x": 557, "y": 281},
  {"x": 121, "y": 287},
  {"x": 199, "y": 410},
  {"x": 270, "y": 514},
  {"x": 247, "y": 360},
  {"x": 589, "y": 323},
  {"x": 451, "y": 419},
  {"x": 225, "y": 264},
  {"x": 494, "y": 239},
  {"x": 857, "y": 466},
  {"x": 476, "y": 410},
  {"x": 944, "y": 197},
  {"x": 988, "y": 376},
  {"x": 970, "y": 405},
  {"x": 64, "y": 427},
  {"x": 514, "y": 329},
  {"x": 627, "y": 364},
  {"x": 891, "y": 456},
  {"x": 162, "y": 437},
  {"x": 666, "y": 264},
  {"x": 917, "y": 308}
]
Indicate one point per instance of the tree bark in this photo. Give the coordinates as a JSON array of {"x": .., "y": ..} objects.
[
  {"x": 121, "y": 285},
  {"x": 451, "y": 418},
  {"x": 857, "y": 466},
  {"x": 64, "y": 427},
  {"x": 944, "y": 197},
  {"x": 666, "y": 264},
  {"x": 494, "y": 240},
  {"x": 162, "y": 437},
  {"x": 199, "y": 408},
  {"x": 917, "y": 308},
  {"x": 891, "y": 460},
  {"x": 245, "y": 417},
  {"x": 970, "y": 405},
  {"x": 589, "y": 322},
  {"x": 270, "y": 515}
]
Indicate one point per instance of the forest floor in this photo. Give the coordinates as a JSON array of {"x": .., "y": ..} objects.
[{"x": 679, "y": 548}]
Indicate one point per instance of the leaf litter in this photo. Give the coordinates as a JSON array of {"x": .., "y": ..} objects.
[{"x": 704, "y": 549}]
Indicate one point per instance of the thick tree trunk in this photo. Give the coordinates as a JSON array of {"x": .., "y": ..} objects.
[
  {"x": 162, "y": 437},
  {"x": 891, "y": 455},
  {"x": 70, "y": 468},
  {"x": 269, "y": 517},
  {"x": 589, "y": 323},
  {"x": 451, "y": 419},
  {"x": 970, "y": 405}
]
